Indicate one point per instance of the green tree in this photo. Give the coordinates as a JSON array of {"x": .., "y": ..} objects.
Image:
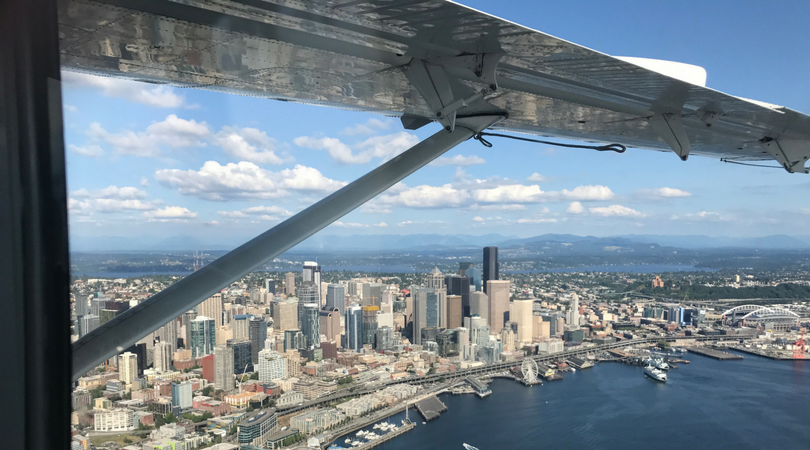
[
  {"x": 254, "y": 376},
  {"x": 127, "y": 440},
  {"x": 169, "y": 418}
]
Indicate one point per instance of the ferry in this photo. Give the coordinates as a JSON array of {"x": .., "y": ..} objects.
[
  {"x": 662, "y": 365},
  {"x": 655, "y": 374}
]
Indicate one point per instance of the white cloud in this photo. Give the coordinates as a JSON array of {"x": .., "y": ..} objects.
[
  {"x": 519, "y": 193},
  {"x": 265, "y": 212},
  {"x": 381, "y": 225},
  {"x": 249, "y": 144},
  {"x": 664, "y": 192},
  {"x": 383, "y": 147},
  {"x": 144, "y": 181},
  {"x": 615, "y": 210},
  {"x": 375, "y": 207},
  {"x": 536, "y": 177},
  {"x": 496, "y": 207},
  {"x": 112, "y": 192},
  {"x": 170, "y": 212},
  {"x": 707, "y": 216},
  {"x": 70, "y": 108},
  {"x": 478, "y": 219},
  {"x": 537, "y": 221},
  {"x": 244, "y": 180},
  {"x": 108, "y": 205},
  {"x": 350, "y": 225},
  {"x": 428, "y": 197},
  {"x": 91, "y": 150},
  {"x": 158, "y": 96},
  {"x": 405, "y": 223},
  {"x": 458, "y": 160},
  {"x": 172, "y": 132},
  {"x": 575, "y": 208},
  {"x": 370, "y": 127}
]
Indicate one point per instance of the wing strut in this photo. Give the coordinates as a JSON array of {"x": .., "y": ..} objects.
[{"x": 125, "y": 330}]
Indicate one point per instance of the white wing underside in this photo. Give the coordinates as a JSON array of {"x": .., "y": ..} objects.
[{"x": 355, "y": 55}]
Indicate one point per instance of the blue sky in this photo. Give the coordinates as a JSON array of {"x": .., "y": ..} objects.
[{"x": 148, "y": 162}]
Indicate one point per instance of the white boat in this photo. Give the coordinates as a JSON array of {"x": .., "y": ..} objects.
[
  {"x": 469, "y": 447},
  {"x": 377, "y": 426},
  {"x": 655, "y": 374},
  {"x": 662, "y": 366},
  {"x": 573, "y": 370},
  {"x": 348, "y": 441}
]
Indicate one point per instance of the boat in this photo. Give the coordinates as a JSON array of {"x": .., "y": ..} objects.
[
  {"x": 469, "y": 447},
  {"x": 662, "y": 366},
  {"x": 655, "y": 374},
  {"x": 377, "y": 426},
  {"x": 348, "y": 441}
]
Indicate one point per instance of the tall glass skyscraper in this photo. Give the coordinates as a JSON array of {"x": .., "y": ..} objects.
[
  {"x": 311, "y": 325},
  {"x": 336, "y": 297},
  {"x": 257, "y": 333},
  {"x": 370, "y": 324},
  {"x": 490, "y": 265},
  {"x": 354, "y": 327},
  {"x": 203, "y": 337}
]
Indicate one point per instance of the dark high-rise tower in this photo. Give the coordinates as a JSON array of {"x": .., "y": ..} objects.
[{"x": 490, "y": 265}]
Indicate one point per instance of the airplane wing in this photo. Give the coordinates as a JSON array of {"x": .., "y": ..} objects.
[{"x": 413, "y": 58}]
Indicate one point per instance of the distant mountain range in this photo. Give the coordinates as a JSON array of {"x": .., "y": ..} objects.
[{"x": 423, "y": 242}]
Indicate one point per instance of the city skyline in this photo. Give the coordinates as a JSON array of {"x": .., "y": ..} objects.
[{"x": 194, "y": 163}]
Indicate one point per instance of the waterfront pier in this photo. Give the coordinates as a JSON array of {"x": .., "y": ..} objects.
[
  {"x": 712, "y": 353},
  {"x": 430, "y": 408}
]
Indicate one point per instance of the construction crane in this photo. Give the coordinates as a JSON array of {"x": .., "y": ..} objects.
[{"x": 798, "y": 347}]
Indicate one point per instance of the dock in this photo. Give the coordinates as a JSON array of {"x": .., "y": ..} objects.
[
  {"x": 716, "y": 354},
  {"x": 383, "y": 438},
  {"x": 785, "y": 356},
  {"x": 430, "y": 408}
]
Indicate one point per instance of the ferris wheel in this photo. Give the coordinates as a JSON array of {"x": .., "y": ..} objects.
[{"x": 529, "y": 369}]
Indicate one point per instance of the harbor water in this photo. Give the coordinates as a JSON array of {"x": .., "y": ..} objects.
[{"x": 750, "y": 403}]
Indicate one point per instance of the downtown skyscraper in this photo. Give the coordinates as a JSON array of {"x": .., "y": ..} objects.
[{"x": 490, "y": 266}]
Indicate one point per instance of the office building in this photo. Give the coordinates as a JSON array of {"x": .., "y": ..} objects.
[
  {"x": 429, "y": 310},
  {"x": 336, "y": 297},
  {"x": 212, "y": 308},
  {"x": 435, "y": 279},
  {"x": 490, "y": 267},
  {"x": 307, "y": 294},
  {"x": 459, "y": 285},
  {"x": 203, "y": 336},
  {"x": 354, "y": 328},
  {"x": 241, "y": 326},
  {"x": 223, "y": 368},
  {"x": 384, "y": 339},
  {"x": 311, "y": 325},
  {"x": 257, "y": 428},
  {"x": 467, "y": 269},
  {"x": 169, "y": 333},
  {"x": 294, "y": 340},
  {"x": 508, "y": 339},
  {"x": 181, "y": 394},
  {"x": 312, "y": 274},
  {"x": 369, "y": 325},
  {"x": 285, "y": 314},
  {"x": 128, "y": 367},
  {"x": 272, "y": 366},
  {"x": 257, "y": 333},
  {"x": 523, "y": 315},
  {"x": 242, "y": 355},
  {"x": 289, "y": 284},
  {"x": 330, "y": 323},
  {"x": 479, "y": 304},
  {"x": 498, "y": 293},
  {"x": 270, "y": 286},
  {"x": 454, "y": 308},
  {"x": 573, "y": 313},
  {"x": 88, "y": 323},
  {"x": 162, "y": 359},
  {"x": 373, "y": 293}
]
